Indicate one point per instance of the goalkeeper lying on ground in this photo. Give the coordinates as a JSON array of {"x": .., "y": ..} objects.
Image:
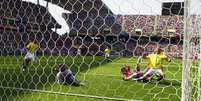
[{"x": 66, "y": 77}]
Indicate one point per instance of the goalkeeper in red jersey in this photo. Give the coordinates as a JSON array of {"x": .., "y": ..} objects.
[{"x": 30, "y": 55}]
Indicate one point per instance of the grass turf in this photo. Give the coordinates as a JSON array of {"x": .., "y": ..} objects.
[{"x": 101, "y": 78}]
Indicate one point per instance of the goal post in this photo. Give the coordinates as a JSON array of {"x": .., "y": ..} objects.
[
  {"x": 96, "y": 40},
  {"x": 191, "y": 66},
  {"x": 186, "y": 50}
]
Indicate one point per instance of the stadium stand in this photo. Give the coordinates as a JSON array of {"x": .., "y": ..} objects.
[{"x": 98, "y": 24}]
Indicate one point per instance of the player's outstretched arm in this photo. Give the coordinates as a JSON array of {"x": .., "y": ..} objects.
[
  {"x": 139, "y": 61},
  {"x": 167, "y": 58}
]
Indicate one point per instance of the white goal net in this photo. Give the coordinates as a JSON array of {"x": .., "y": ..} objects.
[{"x": 81, "y": 50}]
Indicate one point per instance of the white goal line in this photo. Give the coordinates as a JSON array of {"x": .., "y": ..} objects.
[{"x": 71, "y": 94}]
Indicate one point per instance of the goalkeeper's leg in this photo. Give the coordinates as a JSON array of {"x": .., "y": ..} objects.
[
  {"x": 77, "y": 83},
  {"x": 35, "y": 59},
  {"x": 70, "y": 79},
  {"x": 25, "y": 64},
  {"x": 29, "y": 56}
]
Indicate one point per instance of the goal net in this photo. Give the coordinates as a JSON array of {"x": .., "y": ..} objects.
[
  {"x": 76, "y": 49},
  {"x": 191, "y": 61}
]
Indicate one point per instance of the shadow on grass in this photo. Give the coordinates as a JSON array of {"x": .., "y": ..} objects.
[
  {"x": 170, "y": 82},
  {"x": 40, "y": 75},
  {"x": 163, "y": 82}
]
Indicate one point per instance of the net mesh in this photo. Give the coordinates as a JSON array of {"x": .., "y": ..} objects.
[
  {"x": 194, "y": 40},
  {"x": 77, "y": 33}
]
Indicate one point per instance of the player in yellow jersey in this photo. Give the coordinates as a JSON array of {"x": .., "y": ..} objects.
[
  {"x": 30, "y": 55},
  {"x": 107, "y": 52},
  {"x": 78, "y": 51},
  {"x": 155, "y": 65}
]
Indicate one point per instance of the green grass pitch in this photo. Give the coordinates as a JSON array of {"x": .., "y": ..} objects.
[{"x": 101, "y": 78}]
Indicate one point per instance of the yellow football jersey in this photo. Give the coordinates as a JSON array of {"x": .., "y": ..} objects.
[
  {"x": 78, "y": 51},
  {"x": 32, "y": 47},
  {"x": 162, "y": 55},
  {"x": 156, "y": 59},
  {"x": 107, "y": 51}
]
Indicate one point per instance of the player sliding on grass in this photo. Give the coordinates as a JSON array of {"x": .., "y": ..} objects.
[
  {"x": 30, "y": 55},
  {"x": 128, "y": 74},
  {"x": 154, "y": 65}
]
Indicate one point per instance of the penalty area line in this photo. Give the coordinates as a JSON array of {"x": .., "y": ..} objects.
[{"x": 71, "y": 94}]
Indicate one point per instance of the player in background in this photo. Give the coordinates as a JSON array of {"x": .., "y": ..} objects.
[
  {"x": 155, "y": 65},
  {"x": 78, "y": 51},
  {"x": 30, "y": 55},
  {"x": 107, "y": 52}
]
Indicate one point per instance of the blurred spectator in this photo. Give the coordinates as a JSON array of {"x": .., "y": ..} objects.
[{"x": 150, "y": 24}]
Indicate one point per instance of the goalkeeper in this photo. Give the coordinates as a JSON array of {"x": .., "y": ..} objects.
[
  {"x": 66, "y": 77},
  {"x": 30, "y": 55},
  {"x": 154, "y": 65}
]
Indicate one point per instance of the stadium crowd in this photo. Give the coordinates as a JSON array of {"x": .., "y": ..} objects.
[
  {"x": 53, "y": 44},
  {"x": 147, "y": 23}
]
